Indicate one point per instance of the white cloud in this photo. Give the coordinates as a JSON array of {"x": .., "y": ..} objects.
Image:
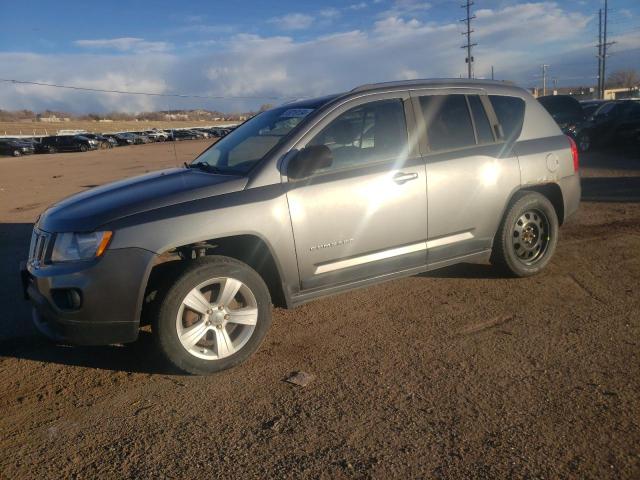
[
  {"x": 252, "y": 65},
  {"x": 357, "y": 6},
  {"x": 293, "y": 21},
  {"x": 329, "y": 13},
  {"x": 406, "y": 7},
  {"x": 124, "y": 44}
]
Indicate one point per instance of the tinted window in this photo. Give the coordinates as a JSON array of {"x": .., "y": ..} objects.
[
  {"x": 448, "y": 122},
  {"x": 510, "y": 113},
  {"x": 563, "y": 108},
  {"x": 239, "y": 151},
  {"x": 483, "y": 127},
  {"x": 368, "y": 133}
]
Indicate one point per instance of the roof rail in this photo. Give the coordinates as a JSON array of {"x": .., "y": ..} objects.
[{"x": 430, "y": 81}]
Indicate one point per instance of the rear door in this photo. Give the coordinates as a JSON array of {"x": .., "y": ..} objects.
[
  {"x": 366, "y": 214},
  {"x": 470, "y": 173}
]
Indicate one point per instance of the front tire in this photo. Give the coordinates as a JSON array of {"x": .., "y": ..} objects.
[
  {"x": 527, "y": 237},
  {"x": 214, "y": 317},
  {"x": 16, "y": 153},
  {"x": 83, "y": 148}
]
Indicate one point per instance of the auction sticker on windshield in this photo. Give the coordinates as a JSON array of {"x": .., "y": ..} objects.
[{"x": 297, "y": 112}]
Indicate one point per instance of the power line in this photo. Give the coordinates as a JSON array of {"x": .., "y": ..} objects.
[
  {"x": 468, "y": 33},
  {"x": 150, "y": 94}
]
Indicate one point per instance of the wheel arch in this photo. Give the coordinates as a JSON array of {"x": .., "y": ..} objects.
[
  {"x": 247, "y": 248},
  {"x": 553, "y": 193}
]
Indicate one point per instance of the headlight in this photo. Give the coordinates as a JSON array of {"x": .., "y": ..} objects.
[{"x": 80, "y": 246}]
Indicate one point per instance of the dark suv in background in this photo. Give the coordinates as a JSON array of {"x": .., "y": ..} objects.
[
  {"x": 570, "y": 117},
  {"x": 66, "y": 143},
  {"x": 15, "y": 147}
]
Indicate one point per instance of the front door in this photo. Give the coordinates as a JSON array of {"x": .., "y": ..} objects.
[{"x": 366, "y": 214}]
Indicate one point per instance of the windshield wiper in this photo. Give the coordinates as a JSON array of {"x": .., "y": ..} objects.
[{"x": 205, "y": 167}]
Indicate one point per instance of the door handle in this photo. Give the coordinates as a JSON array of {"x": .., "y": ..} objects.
[{"x": 402, "y": 177}]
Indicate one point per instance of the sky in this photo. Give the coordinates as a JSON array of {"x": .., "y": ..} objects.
[{"x": 255, "y": 52}]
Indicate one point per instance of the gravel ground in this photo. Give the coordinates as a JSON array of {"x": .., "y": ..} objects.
[{"x": 458, "y": 373}]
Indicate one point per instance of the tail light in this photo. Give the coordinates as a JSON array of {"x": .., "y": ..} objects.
[{"x": 574, "y": 154}]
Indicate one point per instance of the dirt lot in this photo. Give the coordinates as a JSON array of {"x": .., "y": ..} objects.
[
  {"x": 455, "y": 374},
  {"x": 46, "y": 128}
]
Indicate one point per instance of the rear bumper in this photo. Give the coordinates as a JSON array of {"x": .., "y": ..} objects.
[
  {"x": 111, "y": 290},
  {"x": 571, "y": 194}
]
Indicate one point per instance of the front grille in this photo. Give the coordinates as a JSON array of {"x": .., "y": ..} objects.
[{"x": 40, "y": 244}]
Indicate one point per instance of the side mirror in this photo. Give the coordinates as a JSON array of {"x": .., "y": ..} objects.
[{"x": 309, "y": 160}]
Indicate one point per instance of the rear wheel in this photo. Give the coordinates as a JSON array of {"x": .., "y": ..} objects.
[
  {"x": 527, "y": 237},
  {"x": 16, "y": 153},
  {"x": 53, "y": 150},
  {"x": 213, "y": 317}
]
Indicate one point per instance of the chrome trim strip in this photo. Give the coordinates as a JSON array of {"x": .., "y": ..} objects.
[
  {"x": 393, "y": 252},
  {"x": 372, "y": 257},
  {"x": 459, "y": 237}
]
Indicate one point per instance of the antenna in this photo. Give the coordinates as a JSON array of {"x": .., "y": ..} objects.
[{"x": 468, "y": 33}]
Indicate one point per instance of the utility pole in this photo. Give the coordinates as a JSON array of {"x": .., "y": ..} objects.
[
  {"x": 600, "y": 54},
  {"x": 603, "y": 75},
  {"x": 468, "y": 33},
  {"x": 492, "y": 77},
  {"x": 544, "y": 79}
]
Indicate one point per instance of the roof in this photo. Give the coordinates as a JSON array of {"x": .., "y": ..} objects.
[{"x": 433, "y": 82}]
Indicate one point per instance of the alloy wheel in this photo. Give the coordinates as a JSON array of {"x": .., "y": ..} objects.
[{"x": 217, "y": 318}]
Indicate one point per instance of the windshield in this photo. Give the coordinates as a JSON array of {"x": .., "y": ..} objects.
[{"x": 245, "y": 146}]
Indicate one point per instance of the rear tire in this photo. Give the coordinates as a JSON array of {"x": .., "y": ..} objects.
[
  {"x": 16, "y": 153},
  {"x": 213, "y": 317},
  {"x": 527, "y": 237}
]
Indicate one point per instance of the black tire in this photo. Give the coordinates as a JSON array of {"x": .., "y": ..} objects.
[
  {"x": 53, "y": 150},
  {"x": 527, "y": 237},
  {"x": 171, "y": 311},
  {"x": 83, "y": 148},
  {"x": 16, "y": 153}
]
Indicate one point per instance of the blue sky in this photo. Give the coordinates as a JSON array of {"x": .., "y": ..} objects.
[{"x": 288, "y": 48}]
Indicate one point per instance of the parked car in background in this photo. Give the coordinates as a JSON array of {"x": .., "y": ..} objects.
[
  {"x": 16, "y": 147},
  {"x": 127, "y": 138},
  {"x": 157, "y": 135},
  {"x": 178, "y": 135},
  {"x": 570, "y": 117},
  {"x": 589, "y": 107},
  {"x": 302, "y": 201},
  {"x": 104, "y": 142},
  {"x": 614, "y": 123},
  {"x": 66, "y": 143}
]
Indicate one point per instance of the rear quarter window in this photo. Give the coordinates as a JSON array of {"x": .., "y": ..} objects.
[{"x": 510, "y": 113}]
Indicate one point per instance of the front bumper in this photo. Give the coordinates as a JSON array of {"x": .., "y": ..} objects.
[{"x": 111, "y": 290}]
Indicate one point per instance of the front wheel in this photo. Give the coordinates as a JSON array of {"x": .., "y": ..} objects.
[
  {"x": 527, "y": 237},
  {"x": 16, "y": 153},
  {"x": 83, "y": 148},
  {"x": 214, "y": 317}
]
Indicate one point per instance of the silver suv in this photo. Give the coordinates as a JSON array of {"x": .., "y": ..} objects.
[{"x": 305, "y": 200}]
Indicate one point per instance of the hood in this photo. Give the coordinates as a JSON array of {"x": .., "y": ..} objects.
[{"x": 89, "y": 210}]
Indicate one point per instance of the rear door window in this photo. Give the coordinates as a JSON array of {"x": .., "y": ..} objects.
[
  {"x": 510, "y": 113},
  {"x": 447, "y": 121},
  {"x": 483, "y": 127}
]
